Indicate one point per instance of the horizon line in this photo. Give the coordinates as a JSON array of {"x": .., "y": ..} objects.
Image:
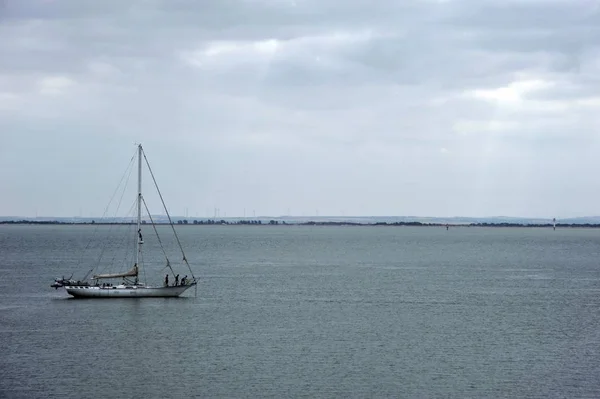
[{"x": 303, "y": 217}]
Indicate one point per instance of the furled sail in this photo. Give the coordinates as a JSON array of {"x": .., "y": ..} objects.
[{"x": 132, "y": 273}]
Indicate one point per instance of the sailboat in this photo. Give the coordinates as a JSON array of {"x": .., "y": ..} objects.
[{"x": 130, "y": 286}]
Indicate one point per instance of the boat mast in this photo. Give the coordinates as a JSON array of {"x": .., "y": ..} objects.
[{"x": 139, "y": 209}]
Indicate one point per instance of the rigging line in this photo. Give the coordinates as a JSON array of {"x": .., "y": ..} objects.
[
  {"x": 129, "y": 166},
  {"x": 120, "y": 228},
  {"x": 126, "y": 232},
  {"x": 158, "y": 237},
  {"x": 168, "y": 215},
  {"x": 110, "y": 228},
  {"x": 127, "y": 255},
  {"x": 120, "y": 235},
  {"x": 116, "y": 211},
  {"x": 87, "y": 274},
  {"x": 142, "y": 268},
  {"x": 156, "y": 232}
]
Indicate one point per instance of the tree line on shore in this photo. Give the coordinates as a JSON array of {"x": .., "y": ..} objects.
[{"x": 273, "y": 222}]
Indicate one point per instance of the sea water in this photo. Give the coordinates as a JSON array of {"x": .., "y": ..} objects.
[{"x": 307, "y": 311}]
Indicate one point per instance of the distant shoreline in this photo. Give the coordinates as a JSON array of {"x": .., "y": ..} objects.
[{"x": 311, "y": 223}]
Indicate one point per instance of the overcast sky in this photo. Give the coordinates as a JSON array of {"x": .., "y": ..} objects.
[{"x": 345, "y": 107}]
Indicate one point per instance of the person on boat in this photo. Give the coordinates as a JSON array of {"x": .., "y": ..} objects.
[
  {"x": 166, "y": 280},
  {"x": 177, "y": 279},
  {"x": 184, "y": 280}
]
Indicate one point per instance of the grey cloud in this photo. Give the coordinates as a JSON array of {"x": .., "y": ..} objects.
[{"x": 347, "y": 94}]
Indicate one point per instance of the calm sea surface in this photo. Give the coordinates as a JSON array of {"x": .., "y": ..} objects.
[{"x": 308, "y": 312}]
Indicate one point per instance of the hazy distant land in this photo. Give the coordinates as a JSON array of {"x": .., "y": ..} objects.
[{"x": 589, "y": 221}]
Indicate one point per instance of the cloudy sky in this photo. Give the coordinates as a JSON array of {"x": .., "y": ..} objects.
[{"x": 341, "y": 107}]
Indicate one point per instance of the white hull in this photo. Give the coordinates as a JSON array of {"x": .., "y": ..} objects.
[{"x": 127, "y": 291}]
